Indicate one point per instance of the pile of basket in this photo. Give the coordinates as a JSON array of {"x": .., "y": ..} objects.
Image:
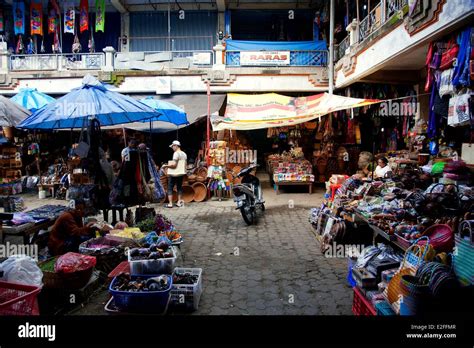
[{"x": 194, "y": 186}]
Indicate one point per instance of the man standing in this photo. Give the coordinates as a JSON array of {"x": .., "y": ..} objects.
[
  {"x": 132, "y": 146},
  {"x": 176, "y": 172}
]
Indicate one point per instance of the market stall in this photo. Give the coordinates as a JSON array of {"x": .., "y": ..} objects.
[
  {"x": 414, "y": 221},
  {"x": 290, "y": 168}
]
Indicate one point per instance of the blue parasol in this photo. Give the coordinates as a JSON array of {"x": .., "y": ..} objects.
[
  {"x": 32, "y": 99},
  {"x": 92, "y": 100},
  {"x": 169, "y": 112}
]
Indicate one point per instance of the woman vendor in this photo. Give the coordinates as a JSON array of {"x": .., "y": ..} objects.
[
  {"x": 382, "y": 170},
  {"x": 69, "y": 232}
]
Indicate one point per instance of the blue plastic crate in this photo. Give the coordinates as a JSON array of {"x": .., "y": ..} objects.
[
  {"x": 142, "y": 302},
  {"x": 384, "y": 308}
]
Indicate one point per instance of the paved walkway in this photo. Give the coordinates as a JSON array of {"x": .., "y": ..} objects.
[{"x": 274, "y": 267}]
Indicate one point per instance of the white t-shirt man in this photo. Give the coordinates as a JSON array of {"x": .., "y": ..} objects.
[
  {"x": 380, "y": 172},
  {"x": 180, "y": 158}
]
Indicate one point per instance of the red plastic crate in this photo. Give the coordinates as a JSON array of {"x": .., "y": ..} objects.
[
  {"x": 123, "y": 267},
  {"x": 360, "y": 305},
  {"x": 18, "y": 299}
]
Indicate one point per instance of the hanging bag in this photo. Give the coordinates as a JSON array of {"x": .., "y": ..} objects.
[
  {"x": 446, "y": 83},
  {"x": 82, "y": 148},
  {"x": 459, "y": 110},
  {"x": 448, "y": 57}
]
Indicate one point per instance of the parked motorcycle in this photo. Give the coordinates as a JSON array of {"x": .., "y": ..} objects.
[{"x": 248, "y": 195}]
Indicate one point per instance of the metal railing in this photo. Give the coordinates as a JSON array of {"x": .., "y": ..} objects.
[
  {"x": 147, "y": 60},
  {"x": 340, "y": 49},
  {"x": 56, "y": 62},
  {"x": 297, "y": 58},
  {"x": 378, "y": 16}
]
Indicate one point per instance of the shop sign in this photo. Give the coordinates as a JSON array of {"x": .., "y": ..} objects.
[
  {"x": 202, "y": 58},
  {"x": 265, "y": 58}
]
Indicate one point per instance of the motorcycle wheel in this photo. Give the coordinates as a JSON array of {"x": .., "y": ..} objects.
[{"x": 248, "y": 215}]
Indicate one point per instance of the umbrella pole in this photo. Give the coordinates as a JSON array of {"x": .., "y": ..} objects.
[
  {"x": 124, "y": 136},
  {"x": 208, "y": 133},
  {"x": 151, "y": 136}
]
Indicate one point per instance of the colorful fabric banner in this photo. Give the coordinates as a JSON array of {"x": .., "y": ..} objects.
[
  {"x": 19, "y": 17},
  {"x": 36, "y": 17},
  {"x": 53, "y": 13},
  {"x": 69, "y": 18},
  {"x": 245, "y": 112},
  {"x": 1, "y": 20},
  {"x": 99, "y": 15},
  {"x": 84, "y": 15}
]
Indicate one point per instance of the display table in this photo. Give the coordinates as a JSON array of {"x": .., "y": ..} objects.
[
  {"x": 25, "y": 230},
  {"x": 294, "y": 183}
]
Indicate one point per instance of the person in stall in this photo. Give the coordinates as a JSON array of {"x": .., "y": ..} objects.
[
  {"x": 176, "y": 173},
  {"x": 382, "y": 170},
  {"x": 69, "y": 232}
]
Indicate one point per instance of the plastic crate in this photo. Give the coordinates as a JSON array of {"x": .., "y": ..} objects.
[
  {"x": 187, "y": 296},
  {"x": 123, "y": 267},
  {"x": 360, "y": 305},
  {"x": 153, "y": 267},
  {"x": 141, "y": 302},
  {"x": 18, "y": 299},
  {"x": 384, "y": 308}
]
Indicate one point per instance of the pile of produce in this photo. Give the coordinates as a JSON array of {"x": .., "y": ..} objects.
[
  {"x": 153, "y": 252},
  {"x": 146, "y": 225},
  {"x": 185, "y": 278},
  {"x": 162, "y": 224},
  {"x": 124, "y": 282},
  {"x": 130, "y": 233},
  {"x": 48, "y": 266}
]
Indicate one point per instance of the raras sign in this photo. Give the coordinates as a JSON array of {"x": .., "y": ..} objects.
[{"x": 264, "y": 58}]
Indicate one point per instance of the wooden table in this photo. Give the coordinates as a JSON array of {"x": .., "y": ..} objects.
[
  {"x": 25, "y": 230},
  {"x": 293, "y": 183}
]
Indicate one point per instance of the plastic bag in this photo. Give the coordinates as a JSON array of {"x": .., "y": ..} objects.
[
  {"x": 74, "y": 262},
  {"x": 22, "y": 270}
]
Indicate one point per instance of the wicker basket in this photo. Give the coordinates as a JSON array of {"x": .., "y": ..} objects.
[
  {"x": 76, "y": 280},
  {"x": 188, "y": 193},
  {"x": 107, "y": 258},
  {"x": 200, "y": 192}
]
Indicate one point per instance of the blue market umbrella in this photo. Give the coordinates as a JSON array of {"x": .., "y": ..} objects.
[
  {"x": 32, "y": 99},
  {"x": 169, "y": 112},
  {"x": 92, "y": 100}
]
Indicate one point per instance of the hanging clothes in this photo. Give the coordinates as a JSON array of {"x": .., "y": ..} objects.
[
  {"x": 432, "y": 120},
  {"x": 19, "y": 17},
  {"x": 84, "y": 16},
  {"x": 461, "y": 75},
  {"x": 69, "y": 18},
  {"x": 36, "y": 17},
  {"x": 99, "y": 15}
]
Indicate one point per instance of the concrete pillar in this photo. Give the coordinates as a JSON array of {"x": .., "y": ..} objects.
[
  {"x": 219, "y": 57},
  {"x": 109, "y": 59},
  {"x": 4, "y": 58},
  {"x": 353, "y": 29},
  {"x": 125, "y": 32}
]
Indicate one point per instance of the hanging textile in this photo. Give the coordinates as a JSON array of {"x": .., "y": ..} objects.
[
  {"x": 1, "y": 20},
  {"x": 159, "y": 190},
  {"x": 69, "y": 18},
  {"x": 84, "y": 16},
  {"x": 99, "y": 15},
  {"x": 19, "y": 17},
  {"x": 36, "y": 17},
  {"x": 461, "y": 75},
  {"x": 53, "y": 17}
]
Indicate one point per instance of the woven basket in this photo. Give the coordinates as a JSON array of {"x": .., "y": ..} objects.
[
  {"x": 76, "y": 280},
  {"x": 188, "y": 193},
  {"x": 107, "y": 258},
  {"x": 200, "y": 192},
  {"x": 202, "y": 172}
]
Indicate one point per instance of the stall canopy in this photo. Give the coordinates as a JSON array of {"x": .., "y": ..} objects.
[
  {"x": 195, "y": 106},
  {"x": 11, "y": 114},
  {"x": 246, "y": 112},
  {"x": 32, "y": 99},
  {"x": 240, "y": 45},
  {"x": 92, "y": 100}
]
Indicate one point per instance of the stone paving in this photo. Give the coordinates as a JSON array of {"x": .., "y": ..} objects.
[{"x": 272, "y": 268}]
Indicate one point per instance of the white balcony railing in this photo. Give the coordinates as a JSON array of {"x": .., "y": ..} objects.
[
  {"x": 340, "y": 49},
  {"x": 56, "y": 62}
]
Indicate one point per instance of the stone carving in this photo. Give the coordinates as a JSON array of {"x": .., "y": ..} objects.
[{"x": 422, "y": 13}]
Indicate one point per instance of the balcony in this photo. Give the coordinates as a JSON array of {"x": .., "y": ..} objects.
[
  {"x": 384, "y": 15},
  {"x": 56, "y": 62}
]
